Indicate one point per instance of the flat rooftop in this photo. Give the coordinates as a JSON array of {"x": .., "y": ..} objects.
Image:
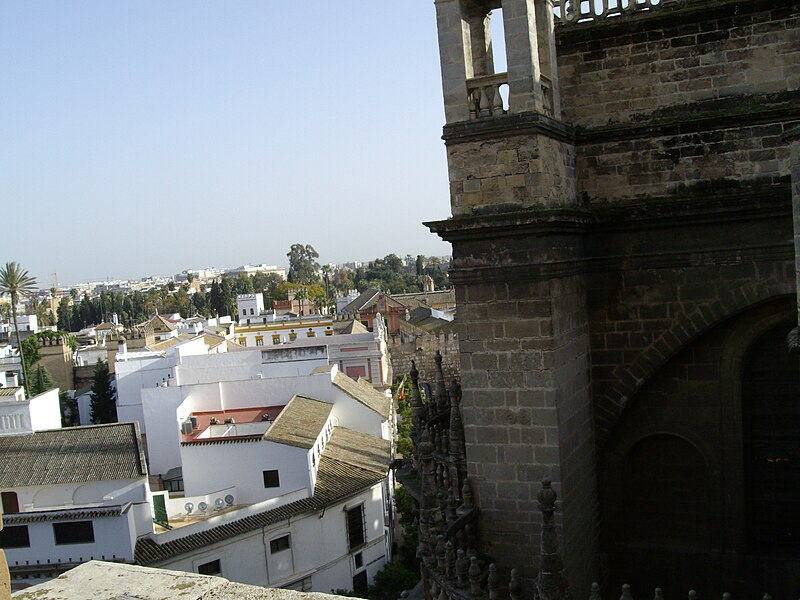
[{"x": 232, "y": 423}]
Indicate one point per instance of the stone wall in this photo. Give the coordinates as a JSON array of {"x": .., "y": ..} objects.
[
  {"x": 422, "y": 350},
  {"x": 523, "y": 171},
  {"x": 56, "y": 357},
  {"x": 650, "y": 67}
]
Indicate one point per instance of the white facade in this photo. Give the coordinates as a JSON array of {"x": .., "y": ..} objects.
[
  {"x": 249, "y": 305},
  {"x": 20, "y": 416},
  {"x": 269, "y": 329},
  {"x": 318, "y": 557}
]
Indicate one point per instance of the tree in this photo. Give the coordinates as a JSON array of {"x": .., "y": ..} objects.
[
  {"x": 63, "y": 320},
  {"x": 104, "y": 398},
  {"x": 16, "y": 282},
  {"x": 41, "y": 381},
  {"x": 303, "y": 266}
]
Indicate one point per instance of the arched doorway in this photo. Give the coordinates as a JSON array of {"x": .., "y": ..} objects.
[{"x": 771, "y": 431}]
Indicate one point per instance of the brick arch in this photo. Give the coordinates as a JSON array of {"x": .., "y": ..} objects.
[{"x": 685, "y": 329}]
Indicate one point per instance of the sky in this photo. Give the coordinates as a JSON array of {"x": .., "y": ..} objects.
[{"x": 148, "y": 137}]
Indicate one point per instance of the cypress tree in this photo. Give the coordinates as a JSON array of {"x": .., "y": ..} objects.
[{"x": 104, "y": 398}]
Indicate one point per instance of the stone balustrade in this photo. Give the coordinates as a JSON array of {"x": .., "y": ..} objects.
[
  {"x": 583, "y": 11},
  {"x": 484, "y": 95}
]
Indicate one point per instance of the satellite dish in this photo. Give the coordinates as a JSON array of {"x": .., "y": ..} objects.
[
  {"x": 229, "y": 500},
  {"x": 219, "y": 503},
  {"x": 202, "y": 506},
  {"x": 189, "y": 508}
]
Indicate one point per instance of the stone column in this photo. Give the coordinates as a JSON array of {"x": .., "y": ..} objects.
[
  {"x": 546, "y": 38},
  {"x": 522, "y": 56},
  {"x": 5, "y": 578},
  {"x": 793, "y": 137},
  {"x": 455, "y": 56}
]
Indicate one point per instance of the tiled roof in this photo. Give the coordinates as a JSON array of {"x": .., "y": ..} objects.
[
  {"x": 72, "y": 455},
  {"x": 90, "y": 512},
  {"x": 170, "y": 342},
  {"x": 437, "y": 297},
  {"x": 364, "y": 393},
  {"x": 9, "y": 391},
  {"x": 364, "y": 299},
  {"x": 159, "y": 324},
  {"x": 349, "y": 327},
  {"x": 300, "y": 422},
  {"x": 342, "y": 473}
]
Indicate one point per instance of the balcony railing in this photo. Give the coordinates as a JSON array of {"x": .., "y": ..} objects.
[
  {"x": 582, "y": 11},
  {"x": 484, "y": 95}
]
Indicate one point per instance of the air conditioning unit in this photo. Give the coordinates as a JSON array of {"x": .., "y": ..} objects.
[
  {"x": 229, "y": 421},
  {"x": 193, "y": 419},
  {"x": 187, "y": 428}
]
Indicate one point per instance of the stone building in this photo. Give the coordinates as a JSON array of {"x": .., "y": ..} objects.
[{"x": 624, "y": 266}]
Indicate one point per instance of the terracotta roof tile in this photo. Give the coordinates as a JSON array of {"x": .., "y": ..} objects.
[
  {"x": 72, "y": 455},
  {"x": 300, "y": 422},
  {"x": 363, "y": 393}
]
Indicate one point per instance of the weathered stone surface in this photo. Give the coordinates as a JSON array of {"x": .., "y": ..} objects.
[{"x": 113, "y": 581}]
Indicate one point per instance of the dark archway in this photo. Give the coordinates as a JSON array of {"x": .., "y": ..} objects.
[
  {"x": 771, "y": 428},
  {"x": 667, "y": 491}
]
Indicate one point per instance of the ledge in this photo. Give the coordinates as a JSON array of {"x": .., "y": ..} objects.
[{"x": 487, "y": 128}]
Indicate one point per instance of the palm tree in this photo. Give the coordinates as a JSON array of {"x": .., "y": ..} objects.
[{"x": 16, "y": 282}]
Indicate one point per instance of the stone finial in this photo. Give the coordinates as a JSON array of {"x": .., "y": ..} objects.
[
  {"x": 474, "y": 577},
  {"x": 595, "y": 593},
  {"x": 726, "y": 596},
  {"x": 462, "y": 569},
  {"x": 451, "y": 506},
  {"x": 466, "y": 495},
  {"x": 456, "y": 429},
  {"x": 492, "y": 583},
  {"x": 450, "y": 560},
  {"x": 514, "y": 587},
  {"x": 692, "y": 595},
  {"x": 551, "y": 584},
  {"x": 440, "y": 553},
  {"x": 626, "y": 592},
  {"x": 659, "y": 594}
]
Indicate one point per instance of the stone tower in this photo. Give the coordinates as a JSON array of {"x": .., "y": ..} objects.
[
  {"x": 521, "y": 301},
  {"x": 624, "y": 266}
]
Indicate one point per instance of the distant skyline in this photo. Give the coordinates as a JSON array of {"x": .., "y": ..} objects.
[{"x": 147, "y": 138}]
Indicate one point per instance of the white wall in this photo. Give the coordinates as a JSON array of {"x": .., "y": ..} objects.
[
  {"x": 318, "y": 549},
  {"x": 159, "y": 408},
  {"x": 210, "y": 467},
  {"x": 112, "y": 535},
  {"x": 45, "y": 411}
]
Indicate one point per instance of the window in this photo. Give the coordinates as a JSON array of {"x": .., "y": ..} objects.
[
  {"x": 10, "y": 502},
  {"x": 358, "y": 559},
  {"x": 244, "y": 312},
  {"x": 360, "y": 586},
  {"x": 243, "y": 341},
  {"x": 310, "y": 334},
  {"x": 329, "y": 332},
  {"x": 259, "y": 340},
  {"x": 355, "y": 527},
  {"x": 271, "y": 479},
  {"x": 292, "y": 336},
  {"x": 276, "y": 339},
  {"x": 210, "y": 568},
  {"x": 15, "y": 536},
  {"x": 74, "y": 532},
  {"x": 174, "y": 485},
  {"x": 251, "y": 311},
  {"x": 280, "y": 544}
]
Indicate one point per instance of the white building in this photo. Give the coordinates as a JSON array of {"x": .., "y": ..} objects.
[
  {"x": 298, "y": 501},
  {"x": 20, "y": 415},
  {"x": 253, "y": 269},
  {"x": 72, "y": 495}
]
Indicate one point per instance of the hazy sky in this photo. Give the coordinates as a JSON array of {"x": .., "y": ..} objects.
[{"x": 142, "y": 138}]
